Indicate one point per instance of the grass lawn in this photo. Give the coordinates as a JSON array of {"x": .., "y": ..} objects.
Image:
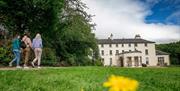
[{"x": 88, "y": 78}]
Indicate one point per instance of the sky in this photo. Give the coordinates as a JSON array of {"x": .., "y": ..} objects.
[{"x": 155, "y": 20}]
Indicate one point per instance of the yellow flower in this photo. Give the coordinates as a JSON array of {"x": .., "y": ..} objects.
[
  {"x": 120, "y": 83},
  {"x": 82, "y": 89}
]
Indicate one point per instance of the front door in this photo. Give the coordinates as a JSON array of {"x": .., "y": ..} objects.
[
  {"x": 121, "y": 62},
  {"x": 136, "y": 61}
]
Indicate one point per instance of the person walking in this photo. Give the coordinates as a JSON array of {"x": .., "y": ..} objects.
[
  {"x": 16, "y": 50},
  {"x": 37, "y": 47},
  {"x": 27, "y": 49}
]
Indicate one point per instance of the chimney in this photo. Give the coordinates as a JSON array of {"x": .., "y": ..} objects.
[
  {"x": 137, "y": 36},
  {"x": 111, "y": 36}
]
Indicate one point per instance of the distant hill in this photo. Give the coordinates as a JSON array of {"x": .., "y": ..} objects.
[{"x": 173, "y": 49}]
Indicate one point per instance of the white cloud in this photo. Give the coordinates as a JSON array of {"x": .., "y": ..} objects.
[{"x": 125, "y": 18}]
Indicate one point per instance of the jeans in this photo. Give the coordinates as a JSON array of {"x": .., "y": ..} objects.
[{"x": 17, "y": 57}]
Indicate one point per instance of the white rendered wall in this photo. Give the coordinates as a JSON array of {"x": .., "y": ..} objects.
[
  {"x": 140, "y": 47},
  {"x": 166, "y": 58}
]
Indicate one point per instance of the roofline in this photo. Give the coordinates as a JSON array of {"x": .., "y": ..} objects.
[
  {"x": 123, "y": 42},
  {"x": 165, "y": 53}
]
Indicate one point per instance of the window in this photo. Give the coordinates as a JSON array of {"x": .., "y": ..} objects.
[
  {"x": 110, "y": 52},
  {"x": 102, "y": 60},
  {"x": 135, "y": 45},
  {"x": 129, "y": 44},
  {"x": 147, "y": 60},
  {"x": 122, "y": 51},
  {"x": 145, "y": 44},
  {"x": 129, "y": 61},
  {"x": 116, "y": 45},
  {"x": 122, "y": 45},
  {"x": 110, "y": 45},
  {"x": 102, "y": 45},
  {"x": 161, "y": 61},
  {"x": 160, "y": 58},
  {"x": 117, "y": 51},
  {"x": 102, "y": 52},
  {"x": 110, "y": 61},
  {"x": 146, "y": 51}
]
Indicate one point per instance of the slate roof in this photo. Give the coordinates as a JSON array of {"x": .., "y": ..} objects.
[
  {"x": 121, "y": 41},
  {"x": 158, "y": 52}
]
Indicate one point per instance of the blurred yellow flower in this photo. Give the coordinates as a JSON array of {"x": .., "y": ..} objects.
[
  {"x": 120, "y": 83},
  {"x": 82, "y": 89}
]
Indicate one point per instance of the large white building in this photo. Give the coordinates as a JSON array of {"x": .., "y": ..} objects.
[{"x": 131, "y": 53}]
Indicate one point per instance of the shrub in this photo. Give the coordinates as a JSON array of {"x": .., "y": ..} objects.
[
  {"x": 98, "y": 62},
  {"x": 6, "y": 54},
  {"x": 49, "y": 57},
  {"x": 144, "y": 65}
]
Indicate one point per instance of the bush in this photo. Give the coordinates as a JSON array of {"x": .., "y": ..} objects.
[
  {"x": 6, "y": 54},
  {"x": 98, "y": 63},
  {"x": 49, "y": 57},
  {"x": 144, "y": 65}
]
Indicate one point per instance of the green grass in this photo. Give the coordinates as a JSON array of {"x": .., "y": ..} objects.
[{"x": 88, "y": 78}]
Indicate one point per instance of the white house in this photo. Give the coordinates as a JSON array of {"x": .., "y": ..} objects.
[{"x": 131, "y": 52}]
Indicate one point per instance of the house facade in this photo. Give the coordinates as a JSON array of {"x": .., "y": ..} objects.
[{"x": 131, "y": 52}]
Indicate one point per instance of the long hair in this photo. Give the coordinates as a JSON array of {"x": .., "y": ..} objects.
[{"x": 38, "y": 36}]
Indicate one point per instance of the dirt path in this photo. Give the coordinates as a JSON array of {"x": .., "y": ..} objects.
[{"x": 14, "y": 68}]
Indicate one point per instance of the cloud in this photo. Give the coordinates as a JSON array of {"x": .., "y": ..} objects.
[
  {"x": 125, "y": 18},
  {"x": 174, "y": 17}
]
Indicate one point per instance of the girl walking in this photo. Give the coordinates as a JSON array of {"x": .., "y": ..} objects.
[
  {"x": 16, "y": 50},
  {"x": 37, "y": 47}
]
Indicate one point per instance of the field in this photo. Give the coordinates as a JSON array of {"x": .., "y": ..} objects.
[{"x": 87, "y": 78}]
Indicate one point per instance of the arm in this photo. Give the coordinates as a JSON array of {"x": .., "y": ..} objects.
[
  {"x": 33, "y": 43},
  {"x": 29, "y": 42},
  {"x": 41, "y": 44}
]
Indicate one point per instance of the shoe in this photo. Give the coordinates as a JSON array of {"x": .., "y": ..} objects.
[
  {"x": 32, "y": 63},
  {"x": 10, "y": 64},
  {"x": 25, "y": 67},
  {"x": 18, "y": 67},
  {"x": 38, "y": 67}
]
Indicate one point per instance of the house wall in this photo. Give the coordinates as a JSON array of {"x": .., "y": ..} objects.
[
  {"x": 166, "y": 58},
  {"x": 140, "y": 47}
]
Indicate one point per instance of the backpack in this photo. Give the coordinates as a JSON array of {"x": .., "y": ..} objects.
[{"x": 23, "y": 45}]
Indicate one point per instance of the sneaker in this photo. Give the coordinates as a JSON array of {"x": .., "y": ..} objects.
[
  {"x": 10, "y": 64},
  {"x": 32, "y": 63},
  {"x": 18, "y": 67},
  {"x": 39, "y": 67},
  {"x": 25, "y": 67}
]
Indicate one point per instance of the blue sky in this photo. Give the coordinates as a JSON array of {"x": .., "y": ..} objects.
[
  {"x": 155, "y": 20},
  {"x": 164, "y": 11}
]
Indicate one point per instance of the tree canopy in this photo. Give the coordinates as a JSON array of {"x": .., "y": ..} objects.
[{"x": 64, "y": 25}]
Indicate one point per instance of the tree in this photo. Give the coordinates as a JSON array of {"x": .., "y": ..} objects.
[{"x": 63, "y": 24}]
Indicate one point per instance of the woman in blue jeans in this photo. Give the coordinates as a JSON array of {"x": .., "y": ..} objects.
[{"x": 16, "y": 50}]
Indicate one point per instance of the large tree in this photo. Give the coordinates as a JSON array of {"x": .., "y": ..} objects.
[{"x": 64, "y": 24}]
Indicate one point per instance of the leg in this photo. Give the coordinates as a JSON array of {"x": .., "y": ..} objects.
[
  {"x": 39, "y": 56},
  {"x": 36, "y": 55},
  {"x": 27, "y": 53},
  {"x": 18, "y": 58},
  {"x": 10, "y": 63}
]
